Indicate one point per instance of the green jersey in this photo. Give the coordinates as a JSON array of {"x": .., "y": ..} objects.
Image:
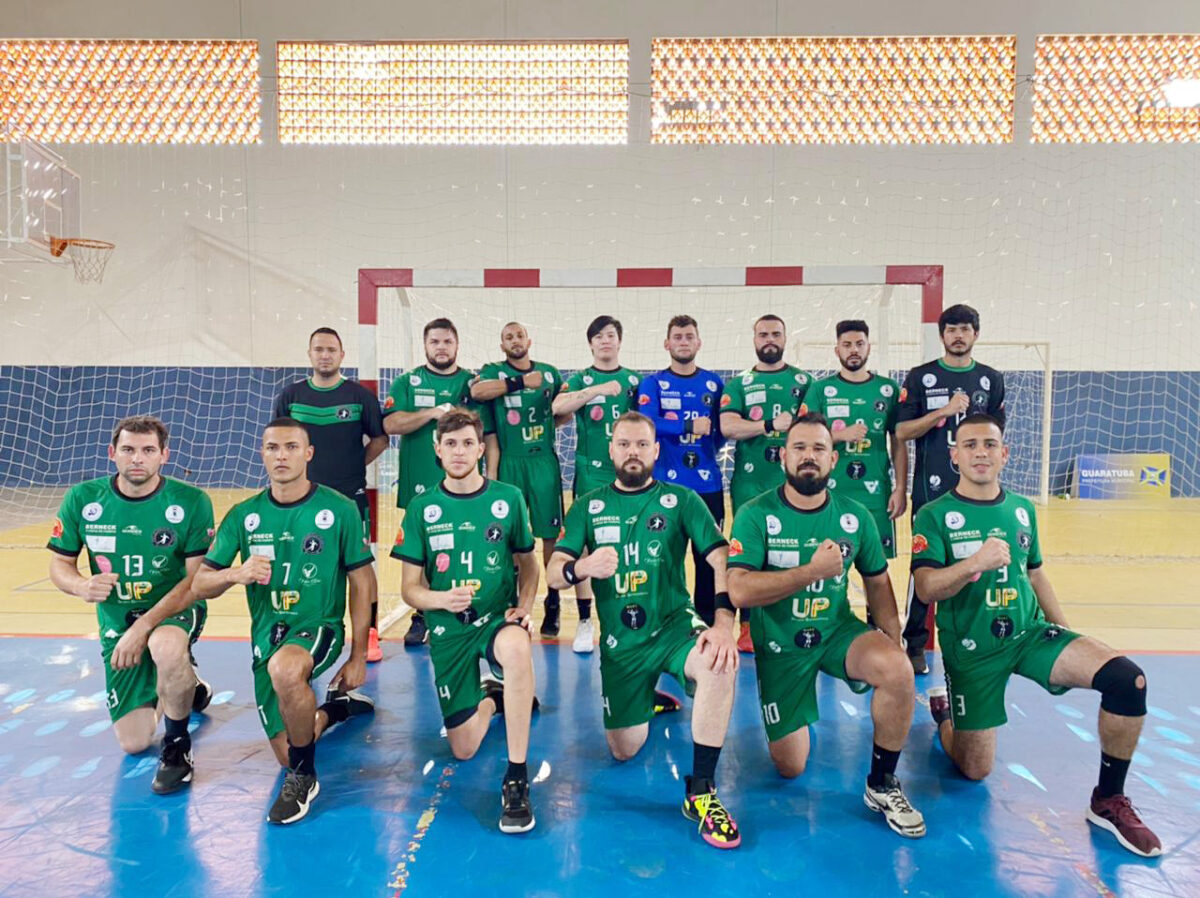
[
  {"x": 650, "y": 529},
  {"x": 424, "y": 388},
  {"x": 145, "y": 541},
  {"x": 989, "y": 613},
  {"x": 761, "y": 396},
  {"x": 594, "y": 421},
  {"x": 771, "y": 534},
  {"x": 863, "y": 471},
  {"x": 523, "y": 420},
  {"x": 467, "y": 540},
  {"x": 311, "y": 544}
]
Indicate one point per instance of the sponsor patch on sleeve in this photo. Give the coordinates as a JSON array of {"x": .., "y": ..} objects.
[
  {"x": 390, "y": 402},
  {"x": 56, "y": 531},
  {"x": 920, "y": 544},
  {"x": 903, "y": 393},
  {"x": 643, "y": 399},
  {"x": 736, "y": 547}
]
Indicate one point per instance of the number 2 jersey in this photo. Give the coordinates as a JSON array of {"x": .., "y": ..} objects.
[
  {"x": 523, "y": 420},
  {"x": 311, "y": 544},
  {"x": 146, "y": 541}
]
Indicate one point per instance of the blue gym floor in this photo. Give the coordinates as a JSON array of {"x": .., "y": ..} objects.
[{"x": 397, "y": 814}]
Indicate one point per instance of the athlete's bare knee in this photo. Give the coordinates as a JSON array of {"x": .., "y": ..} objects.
[
  {"x": 790, "y": 768},
  {"x": 974, "y": 768},
  {"x": 135, "y": 743}
]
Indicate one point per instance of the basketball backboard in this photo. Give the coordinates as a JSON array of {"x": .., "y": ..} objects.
[{"x": 39, "y": 199}]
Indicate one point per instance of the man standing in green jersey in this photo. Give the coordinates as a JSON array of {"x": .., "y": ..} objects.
[
  {"x": 459, "y": 543},
  {"x": 977, "y": 557},
  {"x": 596, "y": 396},
  {"x": 346, "y": 429},
  {"x": 635, "y": 532},
  {"x": 520, "y": 393},
  {"x": 145, "y": 535},
  {"x": 860, "y": 406},
  {"x": 298, "y": 542},
  {"x": 756, "y": 410},
  {"x": 414, "y": 404},
  {"x": 789, "y": 561}
]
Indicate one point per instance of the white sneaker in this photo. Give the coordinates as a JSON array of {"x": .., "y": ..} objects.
[
  {"x": 585, "y": 637},
  {"x": 893, "y": 804}
]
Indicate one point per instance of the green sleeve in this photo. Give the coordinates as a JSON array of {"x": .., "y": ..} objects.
[
  {"x": 893, "y": 407},
  {"x": 870, "y": 559},
  {"x": 410, "y": 540},
  {"x": 814, "y": 399},
  {"x": 804, "y": 382},
  {"x": 556, "y": 379},
  {"x": 491, "y": 371},
  {"x": 227, "y": 542},
  {"x": 929, "y": 547},
  {"x": 65, "y": 538},
  {"x": 574, "y": 383},
  {"x": 1034, "y": 557},
  {"x": 353, "y": 544},
  {"x": 575, "y": 530},
  {"x": 748, "y": 543},
  {"x": 698, "y": 523},
  {"x": 733, "y": 399},
  {"x": 520, "y": 538},
  {"x": 399, "y": 396},
  {"x": 200, "y": 531}
]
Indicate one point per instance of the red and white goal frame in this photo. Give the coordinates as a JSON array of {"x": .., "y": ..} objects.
[{"x": 371, "y": 280}]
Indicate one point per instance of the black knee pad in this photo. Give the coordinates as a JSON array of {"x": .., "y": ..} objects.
[{"x": 1116, "y": 682}]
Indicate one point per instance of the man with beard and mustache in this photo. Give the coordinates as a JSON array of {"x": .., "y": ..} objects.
[
  {"x": 935, "y": 399},
  {"x": 860, "y": 406},
  {"x": 345, "y": 425},
  {"x": 789, "y": 557},
  {"x": 416, "y": 401},
  {"x": 520, "y": 393},
  {"x": 683, "y": 400},
  {"x": 635, "y": 532},
  {"x": 756, "y": 410}
]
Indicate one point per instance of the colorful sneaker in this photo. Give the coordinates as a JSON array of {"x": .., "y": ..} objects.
[
  {"x": 939, "y": 704},
  {"x": 1117, "y": 815},
  {"x": 892, "y": 803},
  {"x": 418, "y": 631},
  {"x": 374, "y": 651},
  {"x": 665, "y": 703},
  {"x": 202, "y": 696},
  {"x": 550, "y": 620},
  {"x": 174, "y": 766},
  {"x": 716, "y": 826},
  {"x": 585, "y": 638},
  {"x": 745, "y": 643},
  {"x": 295, "y": 798},
  {"x": 517, "y": 814}
]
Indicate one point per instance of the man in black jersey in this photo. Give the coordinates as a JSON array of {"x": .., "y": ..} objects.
[
  {"x": 936, "y": 397},
  {"x": 345, "y": 426}
]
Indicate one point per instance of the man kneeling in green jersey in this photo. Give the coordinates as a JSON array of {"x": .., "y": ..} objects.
[
  {"x": 144, "y": 535},
  {"x": 976, "y": 554},
  {"x": 458, "y": 543},
  {"x": 635, "y": 532},
  {"x": 299, "y": 543},
  {"x": 789, "y": 559}
]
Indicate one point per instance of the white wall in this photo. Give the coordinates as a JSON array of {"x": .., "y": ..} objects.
[{"x": 232, "y": 255}]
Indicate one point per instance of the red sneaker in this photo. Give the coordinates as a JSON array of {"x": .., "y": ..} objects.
[
  {"x": 745, "y": 643},
  {"x": 1116, "y": 814},
  {"x": 374, "y": 652}
]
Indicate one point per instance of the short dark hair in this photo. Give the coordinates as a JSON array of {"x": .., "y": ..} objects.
[
  {"x": 682, "y": 321},
  {"x": 288, "y": 421},
  {"x": 980, "y": 418},
  {"x": 456, "y": 419},
  {"x": 141, "y": 424},
  {"x": 635, "y": 418},
  {"x": 326, "y": 330},
  {"x": 440, "y": 324},
  {"x": 850, "y": 325},
  {"x": 600, "y": 322},
  {"x": 959, "y": 314},
  {"x": 769, "y": 317},
  {"x": 810, "y": 418}
]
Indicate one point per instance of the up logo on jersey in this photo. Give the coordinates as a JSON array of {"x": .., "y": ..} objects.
[
  {"x": 92, "y": 511},
  {"x": 324, "y": 519}
]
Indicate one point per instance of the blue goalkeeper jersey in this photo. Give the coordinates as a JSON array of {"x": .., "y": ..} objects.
[{"x": 672, "y": 401}]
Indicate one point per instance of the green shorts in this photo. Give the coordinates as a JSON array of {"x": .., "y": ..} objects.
[
  {"x": 137, "y": 686},
  {"x": 627, "y": 680},
  {"x": 887, "y": 530},
  {"x": 976, "y": 682},
  {"x": 588, "y": 479},
  {"x": 539, "y": 479},
  {"x": 742, "y": 491},
  {"x": 456, "y": 667},
  {"x": 322, "y": 641},
  {"x": 787, "y": 681}
]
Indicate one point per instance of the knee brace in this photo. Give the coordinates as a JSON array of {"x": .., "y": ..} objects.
[{"x": 1116, "y": 682}]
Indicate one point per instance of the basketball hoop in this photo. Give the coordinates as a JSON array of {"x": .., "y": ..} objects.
[{"x": 88, "y": 256}]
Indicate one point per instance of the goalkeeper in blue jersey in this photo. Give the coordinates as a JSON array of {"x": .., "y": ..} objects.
[{"x": 684, "y": 401}]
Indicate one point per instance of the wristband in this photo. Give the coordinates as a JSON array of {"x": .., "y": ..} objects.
[
  {"x": 514, "y": 384},
  {"x": 569, "y": 573},
  {"x": 768, "y": 426},
  {"x": 721, "y": 602}
]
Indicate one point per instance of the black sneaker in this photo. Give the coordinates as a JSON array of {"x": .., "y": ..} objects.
[
  {"x": 665, "y": 703},
  {"x": 550, "y": 620},
  {"x": 494, "y": 690},
  {"x": 295, "y": 798},
  {"x": 202, "y": 696},
  {"x": 356, "y": 703},
  {"x": 517, "y": 816},
  {"x": 919, "y": 664},
  {"x": 174, "y": 766},
  {"x": 418, "y": 631}
]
